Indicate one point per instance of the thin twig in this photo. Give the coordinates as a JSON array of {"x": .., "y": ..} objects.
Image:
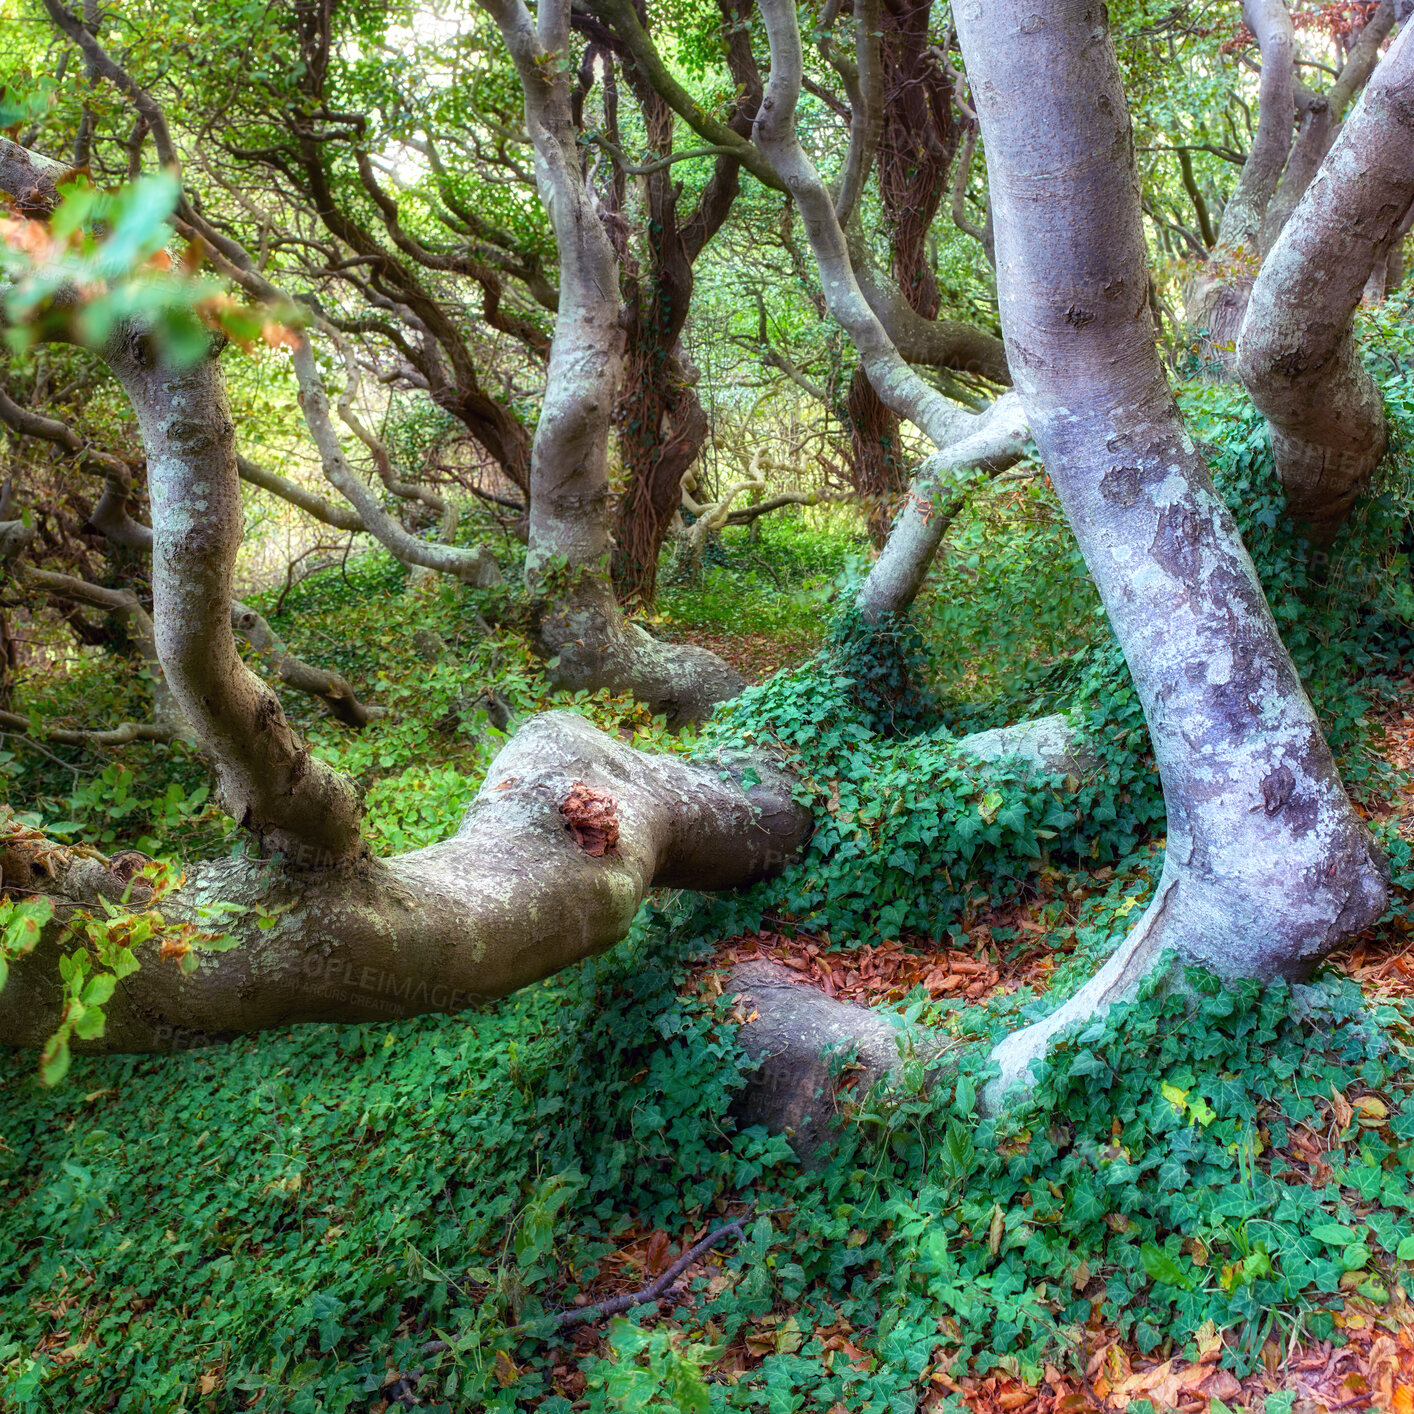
[
  {"x": 597, "y": 1312},
  {"x": 658, "y": 1285}
]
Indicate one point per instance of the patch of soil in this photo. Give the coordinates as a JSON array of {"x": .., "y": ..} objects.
[{"x": 756, "y": 656}]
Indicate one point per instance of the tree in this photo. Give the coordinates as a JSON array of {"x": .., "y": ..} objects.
[{"x": 1267, "y": 867}]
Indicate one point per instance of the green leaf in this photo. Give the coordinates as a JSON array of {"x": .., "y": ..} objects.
[
  {"x": 1334, "y": 1234},
  {"x": 98, "y": 989},
  {"x": 1162, "y": 1268},
  {"x": 23, "y": 923},
  {"x": 54, "y": 1058}
]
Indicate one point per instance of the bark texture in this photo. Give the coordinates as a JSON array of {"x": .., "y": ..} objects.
[
  {"x": 269, "y": 782},
  {"x": 1320, "y": 115},
  {"x": 796, "y": 1037},
  {"x": 1297, "y": 353},
  {"x": 580, "y": 627},
  {"x": 1267, "y": 866},
  {"x": 551, "y": 862},
  {"x": 1218, "y": 298},
  {"x": 661, "y": 422},
  {"x": 964, "y": 440}
]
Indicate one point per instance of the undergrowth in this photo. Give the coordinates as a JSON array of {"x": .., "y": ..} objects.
[
  {"x": 298, "y": 1221},
  {"x": 437, "y": 1180}
]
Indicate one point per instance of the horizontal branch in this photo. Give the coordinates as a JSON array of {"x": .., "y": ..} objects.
[
  {"x": 329, "y": 687},
  {"x": 568, "y": 833},
  {"x": 340, "y": 517}
]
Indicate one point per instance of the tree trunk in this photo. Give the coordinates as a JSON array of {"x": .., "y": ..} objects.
[
  {"x": 966, "y": 441},
  {"x": 1320, "y": 121},
  {"x": 1297, "y": 353},
  {"x": 1267, "y": 867},
  {"x": 876, "y": 470},
  {"x": 566, "y": 836},
  {"x": 269, "y": 782},
  {"x": 1217, "y": 300},
  {"x": 579, "y": 626}
]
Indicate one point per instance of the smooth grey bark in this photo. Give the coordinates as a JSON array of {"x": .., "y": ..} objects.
[
  {"x": 1051, "y": 744},
  {"x": 512, "y": 898},
  {"x": 1297, "y": 354},
  {"x": 1218, "y": 297},
  {"x": 470, "y": 565},
  {"x": 579, "y": 624},
  {"x": 331, "y": 688},
  {"x": 936, "y": 496},
  {"x": 1320, "y": 121},
  {"x": 965, "y": 441},
  {"x": 898, "y": 386},
  {"x": 292, "y": 803},
  {"x": 339, "y": 517},
  {"x": 795, "y": 1035},
  {"x": 1267, "y": 866},
  {"x": 864, "y": 87}
]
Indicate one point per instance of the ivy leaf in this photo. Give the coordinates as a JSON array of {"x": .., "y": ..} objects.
[{"x": 1162, "y": 1268}]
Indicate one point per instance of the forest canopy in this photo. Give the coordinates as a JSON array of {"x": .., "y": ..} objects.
[{"x": 705, "y": 705}]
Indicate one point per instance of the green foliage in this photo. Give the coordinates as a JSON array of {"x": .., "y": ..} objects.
[
  {"x": 906, "y": 831},
  {"x": 772, "y": 583},
  {"x": 109, "y": 246},
  {"x": 312, "y": 1209}
]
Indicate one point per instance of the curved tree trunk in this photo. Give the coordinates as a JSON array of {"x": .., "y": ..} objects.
[
  {"x": 293, "y": 804},
  {"x": 1267, "y": 866},
  {"x": 579, "y": 625},
  {"x": 966, "y": 441},
  {"x": 1297, "y": 353},
  {"x": 1217, "y": 300},
  {"x": 554, "y": 856},
  {"x": 1320, "y": 122}
]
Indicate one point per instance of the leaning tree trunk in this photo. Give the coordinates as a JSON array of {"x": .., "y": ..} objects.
[
  {"x": 1297, "y": 352},
  {"x": 1267, "y": 867},
  {"x": 293, "y": 804},
  {"x": 1320, "y": 122},
  {"x": 569, "y": 832},
  {"x": 967, "y": 443},
  {"x": 1217, "y": 300},
  {"x": 580, "y": 628}
]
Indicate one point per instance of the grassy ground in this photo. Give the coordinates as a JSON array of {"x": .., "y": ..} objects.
[{"x": 1210, "y": 1209}]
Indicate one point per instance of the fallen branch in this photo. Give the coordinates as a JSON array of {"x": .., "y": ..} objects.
[
  {"x": 600, "y": 1309},
  {"x": 562, "y": 1320}
]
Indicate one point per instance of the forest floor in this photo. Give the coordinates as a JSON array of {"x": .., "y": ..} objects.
[
  {"x": 1372, "y": 1369},
  {"x": 137, "y": 1257}
]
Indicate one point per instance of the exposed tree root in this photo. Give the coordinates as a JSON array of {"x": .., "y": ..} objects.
[
  {"x": 797, "y": 1038},
  {"x": 591, "y": 646}
]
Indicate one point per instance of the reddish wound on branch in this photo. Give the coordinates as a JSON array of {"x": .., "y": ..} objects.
[{"x": 591, "y": 818}]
